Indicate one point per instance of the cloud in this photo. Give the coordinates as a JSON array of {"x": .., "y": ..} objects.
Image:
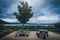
[
  {"x": 10, "y": 20},
  {"x": 45, "y": 11},
  {"x": 38, "y": 20},
  {"x": 35, "y": 2},
  {"x": 4, "y": 6},
  {"x": 45, "y": 19}
]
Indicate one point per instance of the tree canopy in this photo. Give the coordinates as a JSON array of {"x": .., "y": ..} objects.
[{"x": 24, "y": 12}]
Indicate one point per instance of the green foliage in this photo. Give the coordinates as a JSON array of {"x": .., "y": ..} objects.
[
  {"x": 1, "y": 27},
  {"x": 24, "y": 12},
  {"x": 57, "y": 25}
]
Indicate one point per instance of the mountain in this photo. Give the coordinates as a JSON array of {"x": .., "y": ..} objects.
[
  {"x": 3, "y": 22},
  {"x": 57, "y": 25}
]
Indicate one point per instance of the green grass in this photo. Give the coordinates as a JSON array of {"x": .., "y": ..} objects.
[{"x": 32, "y": 28}]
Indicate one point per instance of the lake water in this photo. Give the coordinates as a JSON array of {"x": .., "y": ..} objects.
[
  {"x": 16, "y": 24},
  {"x": 26, "y": 25}
]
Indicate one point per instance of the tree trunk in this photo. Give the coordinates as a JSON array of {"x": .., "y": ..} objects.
[{"x": 23, "y": 27}]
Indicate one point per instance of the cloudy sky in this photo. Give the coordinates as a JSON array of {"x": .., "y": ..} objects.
[{"x": 45, "y": 11}]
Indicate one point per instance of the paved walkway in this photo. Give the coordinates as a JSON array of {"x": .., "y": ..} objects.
[{"x": 32, "y": 36}]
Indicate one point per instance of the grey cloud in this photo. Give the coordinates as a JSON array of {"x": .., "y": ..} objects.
[{"x": 4, "y": 5}]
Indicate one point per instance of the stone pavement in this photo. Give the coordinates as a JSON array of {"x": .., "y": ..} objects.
[{"x": 32, "y": 36}]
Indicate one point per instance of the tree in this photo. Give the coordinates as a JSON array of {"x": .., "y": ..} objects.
[
  {"x": 24, "y": 13},
  {"x": 57, "y": 25}
]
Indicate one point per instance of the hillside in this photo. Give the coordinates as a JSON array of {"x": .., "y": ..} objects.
[{"x": 3, "y": 22}]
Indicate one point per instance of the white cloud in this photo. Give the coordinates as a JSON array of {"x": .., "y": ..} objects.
[
  {"x": 34, "y": 2},
  {"x": 44, "y": 19},
  {"x": 10, "y": 20}
]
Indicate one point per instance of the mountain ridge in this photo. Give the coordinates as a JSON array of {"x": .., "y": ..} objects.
[{"x": 3, "y": 22}]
